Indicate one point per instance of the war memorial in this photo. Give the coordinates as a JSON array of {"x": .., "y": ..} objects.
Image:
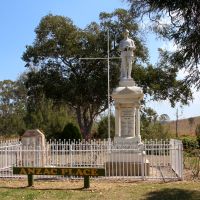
[{"x": 126, "y": 156}]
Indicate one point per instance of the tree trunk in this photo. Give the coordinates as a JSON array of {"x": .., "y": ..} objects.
[{"x": 85, "y": 122}]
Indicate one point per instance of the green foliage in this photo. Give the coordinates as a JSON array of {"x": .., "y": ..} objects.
[
  {"x": 13, "y": 124},
  {"x": 70, "y": 132},
  {"x": 192, "y": 162},
  {"x": 48, "y": 117},
  {"x": 151, "y": 128},
  {"x": 12, "y": 107},
  {"x": 102, "y": 130},
  {"x": 183, "y": 29},
  {"x": 198, "y": 140},
  {"x": 191, "y": 148},
  {"x": 189, "y": 143},
  {"x": 154, "y": 131},
  {"x": 197, "y": 130},
  {"x": 161, "y": 84}
]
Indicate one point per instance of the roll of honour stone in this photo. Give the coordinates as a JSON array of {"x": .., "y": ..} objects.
[
  {"x": 33, "y": 145},
  {"x": 127, "y": 122},
  {"x": 127, "y": 99}
]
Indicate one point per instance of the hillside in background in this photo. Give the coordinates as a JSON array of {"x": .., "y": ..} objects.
[{"x": 185, "y": 126}]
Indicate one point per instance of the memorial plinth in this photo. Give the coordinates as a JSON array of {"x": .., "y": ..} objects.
[
  {"x": 33, "y": 145},
  {"x": 127, "y": 99},
  {"x": 127, "y": 163}
]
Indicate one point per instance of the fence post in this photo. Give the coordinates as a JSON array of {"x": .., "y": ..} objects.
[
  {"x": 6, "y": 157},
  {"x": 30, "y": 180},
  {"x": 86, "y": 181},
  {"x": 181, "y": 160},
  {"x": 142, "y": 163},
  {"x": 70, "y": 152}
]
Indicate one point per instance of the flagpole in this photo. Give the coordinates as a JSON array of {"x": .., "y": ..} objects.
[
  {"x": 108, "y": 51},
  {"x": 108, "y": 63}
]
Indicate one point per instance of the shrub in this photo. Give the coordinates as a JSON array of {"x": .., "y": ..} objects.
[
  {"x": 70, "y": 132},
  {"x": 154, "y": 131},
  {"x": 102, "y": 130},
  {"x": 189, "y": 143},
  {"x": 197, "y": 130},
  {"x": 198, "y": 140}
]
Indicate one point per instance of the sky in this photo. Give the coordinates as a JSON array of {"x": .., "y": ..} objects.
[{"x": 19, "y": 18}]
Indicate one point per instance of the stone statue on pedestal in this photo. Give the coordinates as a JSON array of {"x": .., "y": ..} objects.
[
  {"x": 126, "y": 47},
  {"x": 127, "y": 97}
]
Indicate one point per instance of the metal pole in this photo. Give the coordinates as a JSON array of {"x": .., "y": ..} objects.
[
  {"x": 86, "y": 181},
  {"x": 98, "y": 58},
  {"x": 108, "y": 60},
  {"x": 30, "y": 180},
  {"x": 108, "y": 86}
]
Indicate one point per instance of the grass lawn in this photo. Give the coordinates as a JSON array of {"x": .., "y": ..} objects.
[{"x": 101, "y": 189}]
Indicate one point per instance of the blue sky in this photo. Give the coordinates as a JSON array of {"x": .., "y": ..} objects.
[{"x": 19, "y": 18}]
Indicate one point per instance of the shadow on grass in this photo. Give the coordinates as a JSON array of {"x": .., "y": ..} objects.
[{"x": 173, "y": 194}]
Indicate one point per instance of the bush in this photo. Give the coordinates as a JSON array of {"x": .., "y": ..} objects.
[
  {"x": 189, "y": 143},
  {"x": 197, "y": 130},
  {"x": 198, "y": 140},
  {"x": 102, "y": 130},
  {"x": 154, "y": 131},
  {"x": 70, "y": 132}
]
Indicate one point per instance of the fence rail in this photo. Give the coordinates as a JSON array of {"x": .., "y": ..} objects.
[{"x": 152, "y": 160}]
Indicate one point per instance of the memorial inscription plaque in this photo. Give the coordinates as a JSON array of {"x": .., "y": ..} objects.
[{"x": 127, "y": 122}]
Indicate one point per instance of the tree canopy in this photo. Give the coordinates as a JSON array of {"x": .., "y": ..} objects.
[
  {"x": 183, "y": 30},
  {"x": 12, "y": 107}
]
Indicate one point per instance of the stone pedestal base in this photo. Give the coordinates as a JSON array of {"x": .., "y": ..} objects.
[
  {"x": 127, "y": 83},
  {"x": 128, "y": 140},
  {"x": 127, "y": 99},
  {"x": 34, "y": 141},
  {"x": 127, "y": 157},
  {"x": 127, "y": 168},
  {"x": 130, "y": 163}
]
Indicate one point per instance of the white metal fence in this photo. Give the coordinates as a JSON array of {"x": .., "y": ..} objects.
[
  {"x": 152, "y": 160},
  {"x": 8, "y": 155}
]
